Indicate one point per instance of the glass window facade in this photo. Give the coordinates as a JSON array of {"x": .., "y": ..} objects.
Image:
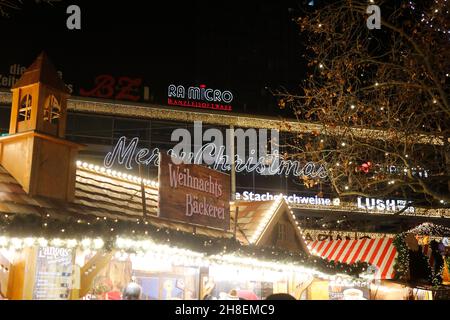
[{"x": 100, "y": 133}]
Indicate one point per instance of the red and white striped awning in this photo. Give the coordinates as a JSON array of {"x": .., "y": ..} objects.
[{"x": 378, "y": 252}]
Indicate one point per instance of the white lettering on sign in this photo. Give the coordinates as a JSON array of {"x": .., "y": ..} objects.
[
  {"x": 193, "y": 193},
  {"x": 194, "y": 205},
  {"x": 291, "y": 199},
  {"x": 52, "y": 252},
  {"x": 384, "y": 205}
]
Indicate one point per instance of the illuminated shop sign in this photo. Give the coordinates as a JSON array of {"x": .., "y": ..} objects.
[
  {"x": 118, "y": 88},
  {"x": 291, "y": 199},
  {"x": 362, "y": 203},
  {"x": 199, "y": 97},
  {"x": 384, "y": 205}
]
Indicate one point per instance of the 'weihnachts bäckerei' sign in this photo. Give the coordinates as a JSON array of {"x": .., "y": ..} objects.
[{"x": 193, "y": 194}]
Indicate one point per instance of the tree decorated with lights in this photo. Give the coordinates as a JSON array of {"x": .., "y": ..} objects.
[{"x": 380, "y": 97}]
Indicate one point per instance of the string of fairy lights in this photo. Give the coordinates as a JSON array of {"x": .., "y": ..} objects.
[
  {"x": 141, "y": 238},
  {"x": 151, "y": 251},
  {"x": 116, "y": 174},
  {"x": 429, "y": 18}
]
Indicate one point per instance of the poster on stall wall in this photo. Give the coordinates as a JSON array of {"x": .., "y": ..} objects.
[
  {"x": 346, "y": 290},
  {"x": 54, "y": 268}
]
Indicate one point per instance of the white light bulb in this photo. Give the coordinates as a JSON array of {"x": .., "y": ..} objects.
[
  {"x": 98, "y": 243},
  {"x": 42, "y": 242},
  {"x": 29, "y": 242},
  {"x": 86, "y": 243},
  {"x": 71, "y": 243}
]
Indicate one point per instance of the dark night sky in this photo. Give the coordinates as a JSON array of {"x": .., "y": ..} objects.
[{"x": 242, "y": 46}]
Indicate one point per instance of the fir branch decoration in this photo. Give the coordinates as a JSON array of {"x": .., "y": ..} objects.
[{"x": 401, "y": 264}]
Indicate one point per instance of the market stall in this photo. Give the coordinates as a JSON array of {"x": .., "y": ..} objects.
[
  {"x": 412, "y": 265},
  {"x": 101, "y": 249},
  {"x": 423, "y": 259},
  {"x": 76, "y": 230}
]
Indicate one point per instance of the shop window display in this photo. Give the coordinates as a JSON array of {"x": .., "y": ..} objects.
[
  {"x": 157, "y": 281},
  {"x": 246, "y": 284}
]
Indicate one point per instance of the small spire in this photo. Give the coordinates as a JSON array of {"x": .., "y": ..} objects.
[{"x": 43, "y": 71}]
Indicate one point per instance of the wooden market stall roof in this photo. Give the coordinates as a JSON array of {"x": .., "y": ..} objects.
[{"x": 99, "y": 194}]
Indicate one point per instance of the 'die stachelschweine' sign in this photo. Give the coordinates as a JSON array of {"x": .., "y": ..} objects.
[{"x": 193, "y": 194}]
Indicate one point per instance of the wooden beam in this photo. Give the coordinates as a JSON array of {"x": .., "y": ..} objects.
[{"x": 91, "y": 269}]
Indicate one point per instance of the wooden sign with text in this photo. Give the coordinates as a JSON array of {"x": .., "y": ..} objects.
[{"x": 193, "y": 194}]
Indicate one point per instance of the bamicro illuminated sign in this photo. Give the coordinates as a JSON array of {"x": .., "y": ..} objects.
[{"x": 199, "y": 97}]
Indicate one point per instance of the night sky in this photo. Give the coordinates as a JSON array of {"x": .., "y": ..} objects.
[{"x": 241, "y": 46}]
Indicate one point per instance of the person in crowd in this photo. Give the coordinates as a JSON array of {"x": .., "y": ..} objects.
[
  {"x": 436, "y": 261},
  {"x": 132, "y": 292},
  {"x": 115, "y": 293},
  {"x": 280, "y": 296},
  {"x": 2, "y": 297},
  {"x": 209, "y": 288}
]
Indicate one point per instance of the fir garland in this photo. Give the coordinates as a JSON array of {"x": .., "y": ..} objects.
[
  {"x": 401, "y": 265},
  {"x": 430, "y": 229}
]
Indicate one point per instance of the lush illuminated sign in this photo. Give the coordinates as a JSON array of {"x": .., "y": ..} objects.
[
  {"x": 199, "y": 97},
  {"x": 384, "y": 205}
]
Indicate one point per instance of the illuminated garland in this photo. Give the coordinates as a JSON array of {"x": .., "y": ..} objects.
[
  {"x": 401, "y": 265},
  {"x": 431, "y": 229},
  {"x": 20, "y": 228}
]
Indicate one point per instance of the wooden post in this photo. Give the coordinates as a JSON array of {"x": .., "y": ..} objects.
[
  {"x": 144, "y": 204},
  {"x": 233, "y": 164},
  {"x": 235, "y": 221}
]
